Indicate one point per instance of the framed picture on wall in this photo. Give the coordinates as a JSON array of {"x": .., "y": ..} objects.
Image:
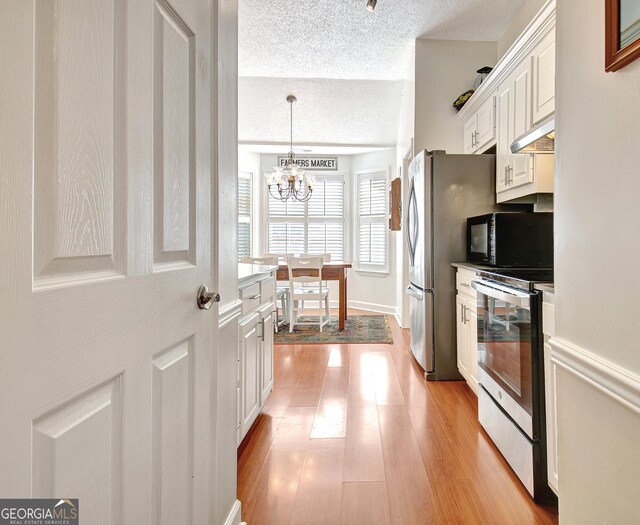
[{"x": 622, "y": 33}]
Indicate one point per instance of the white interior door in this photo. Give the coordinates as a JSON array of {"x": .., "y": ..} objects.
[{"x": 106, "y": 176}]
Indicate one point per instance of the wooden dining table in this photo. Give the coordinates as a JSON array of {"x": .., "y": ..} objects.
[{"x": 331, "y": 271}]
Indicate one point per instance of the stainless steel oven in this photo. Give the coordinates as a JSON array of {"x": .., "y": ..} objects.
[{"x": 510, "y": 372}]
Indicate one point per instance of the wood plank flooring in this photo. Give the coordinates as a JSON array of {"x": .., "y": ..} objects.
[{"x": 353, "y": 434}]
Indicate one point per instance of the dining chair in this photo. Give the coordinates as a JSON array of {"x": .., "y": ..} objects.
[
  {"x": 282, "y": 292},
  {"x": 307, "y": 288}
]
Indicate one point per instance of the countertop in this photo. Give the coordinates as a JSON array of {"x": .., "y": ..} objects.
[
  {"x": 545, "y": 287},
  {"x": 246, "y": 272},
  {"x": 471, "y": 266}
]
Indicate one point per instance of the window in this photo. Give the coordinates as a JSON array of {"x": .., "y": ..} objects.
[
  {"x": 372, "y": 244},
  {"x": 316, "y": 226},
  {"x": 244, "y": 215}
]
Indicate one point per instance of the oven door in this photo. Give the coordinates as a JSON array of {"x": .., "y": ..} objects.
[{"x": 505, "y": 344}]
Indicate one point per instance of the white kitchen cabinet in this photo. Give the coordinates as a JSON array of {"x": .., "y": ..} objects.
[
  {"x": 518, "y": 174},
  {"x": 266, "y": 353},
  {"x": 257, "y": 290},
  {"x": 550, "y": 374},
  {"x": 522, "y": 87},
  {"x": 467, "y": 327},
  {"x": 480, "y": 128},
  {"x": 250, "y": 350},
  {"x": 543, "y": 61}
]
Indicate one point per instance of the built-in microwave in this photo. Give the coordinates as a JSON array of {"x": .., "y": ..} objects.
[{"x": 511, "y": 239}]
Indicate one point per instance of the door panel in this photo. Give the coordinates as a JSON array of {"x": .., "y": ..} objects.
[
  {"x": 486, "y": 123},
  {"x": 521, "y": 164},
  {"x": 505, "y": 131},
  {"x": 107, "y": 403},
  {"x": 544, "y": 78},
  {"x": 78, "y": 144}
]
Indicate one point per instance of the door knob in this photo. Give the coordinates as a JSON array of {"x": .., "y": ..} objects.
[{"x": 206, "y": 298}]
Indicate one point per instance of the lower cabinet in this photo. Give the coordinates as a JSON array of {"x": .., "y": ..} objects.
[
  {"x": 249, "y": 365},
  {"x": 255, "y": 350},
  {"x": 467, "y": 328}
]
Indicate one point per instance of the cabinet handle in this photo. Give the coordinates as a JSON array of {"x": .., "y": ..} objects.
[
  {"x": 253, "y": 297},
  {"x": 505, "y": 179},
  {"x": 510, "y": 175},
  {"x": 475, "y": 138},
  {"x": 465, "y": 284},
  {"x": 462, "y": 313},
  {"x": 473, "y": 144}
]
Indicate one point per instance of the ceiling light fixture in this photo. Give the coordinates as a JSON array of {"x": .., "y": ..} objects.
[
  {"x": 290, "y": 180},
  {"x": 371, "y": 4}
]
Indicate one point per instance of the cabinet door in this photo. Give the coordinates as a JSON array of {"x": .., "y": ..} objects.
[
  {"x": 551, "y": 419},
  {"x": 471, "y": 318},
  {"x": 520, "y": 165},
  {"x": 486, "y": 124},
  {"x": 462, "y": 336},
  {"x": 544, "y": 78},
  {"x": 266, "y": 369},
  {"x": 250, "y": 346},
  {"x": 504, "y": 132},
  {"x": 470, "y": 128}
]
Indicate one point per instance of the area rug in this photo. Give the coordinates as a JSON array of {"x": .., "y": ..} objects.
[{"x": 357, "y": 329}]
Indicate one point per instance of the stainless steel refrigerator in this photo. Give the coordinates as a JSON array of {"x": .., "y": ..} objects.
[{"x": 443, "y": 191}]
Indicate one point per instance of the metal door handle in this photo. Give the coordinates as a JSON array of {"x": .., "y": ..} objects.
[
  {"x": 510, "y": 173},
  {"x": 411, "y": 291},
  {"x": 205, "y": 298}
]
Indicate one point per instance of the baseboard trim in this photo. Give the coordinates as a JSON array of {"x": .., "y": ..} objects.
[
  {"x": 373, "y": 307},
  {"x": 233, "y": 518},
  {"x": 619, "y": 384}
]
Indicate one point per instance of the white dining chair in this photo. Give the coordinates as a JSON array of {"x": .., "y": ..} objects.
[
  {"x": 282, "y": 292},
  {"x": 307, "y": 288}
]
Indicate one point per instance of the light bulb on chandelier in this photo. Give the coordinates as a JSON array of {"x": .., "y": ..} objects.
[{"x": 289, "y": 181}]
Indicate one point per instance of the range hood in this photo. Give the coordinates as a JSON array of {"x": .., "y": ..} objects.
[{"x": 537, "y": 140}]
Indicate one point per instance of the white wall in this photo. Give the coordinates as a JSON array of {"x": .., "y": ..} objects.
[
  {"x": 376, "y": 292},
  {"x": 518, "y": 23},
  {"x": 444, "y": 69},
  {"x": 597, "y": 290}
]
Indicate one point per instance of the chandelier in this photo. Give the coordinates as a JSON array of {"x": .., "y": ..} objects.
[{"x": 289, "y": 181}]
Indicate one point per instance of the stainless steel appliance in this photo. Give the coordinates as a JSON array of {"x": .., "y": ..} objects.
[
  {"x": 511, "y": 370},
  {"x": 540, "y": 139},
  {"x": 443, "y": 191},
  {"x": 511, "y": 239}
]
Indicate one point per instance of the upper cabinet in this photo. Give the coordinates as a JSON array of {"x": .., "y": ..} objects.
[
  {"x": 543, "y": 62},
  {"x": 480, "y": 128},
  {"x": 517, "y": 95}
]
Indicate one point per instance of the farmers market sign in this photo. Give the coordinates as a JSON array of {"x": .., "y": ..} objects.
[{"x": 311, "y": 163}]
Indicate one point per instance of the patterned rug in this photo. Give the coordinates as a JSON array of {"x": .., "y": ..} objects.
[{"x": 357, "y": 329}]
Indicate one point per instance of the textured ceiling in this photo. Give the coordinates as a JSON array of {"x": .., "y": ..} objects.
[
  {"x": 284, "y": 41},
  {"x": 328, "y": 111}
]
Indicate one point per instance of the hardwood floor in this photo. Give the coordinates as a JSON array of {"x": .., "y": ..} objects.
[{"x": 352, "y": 434}]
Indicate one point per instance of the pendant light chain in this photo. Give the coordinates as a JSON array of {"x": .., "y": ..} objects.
[{"x": 289, "y": 180}]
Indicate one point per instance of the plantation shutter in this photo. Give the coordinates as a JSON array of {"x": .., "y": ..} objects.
[
  {"x": 372, "y": 221},
  {"x": 316, "y": 226},
  {"x": 244, "y": 215},
  {"x": 326, "y": 219}
]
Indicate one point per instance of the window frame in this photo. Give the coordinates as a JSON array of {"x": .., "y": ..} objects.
[
  {"x": 305, "y": 219},
  {"x": 367, "y": 268}
]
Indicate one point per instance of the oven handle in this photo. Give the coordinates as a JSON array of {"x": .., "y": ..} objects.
[{"x": 520, "y": 300}]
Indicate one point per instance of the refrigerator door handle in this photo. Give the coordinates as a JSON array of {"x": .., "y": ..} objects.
[
  {"x": 412, "y": 202},
  {"x": 413, "y": 292}
]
